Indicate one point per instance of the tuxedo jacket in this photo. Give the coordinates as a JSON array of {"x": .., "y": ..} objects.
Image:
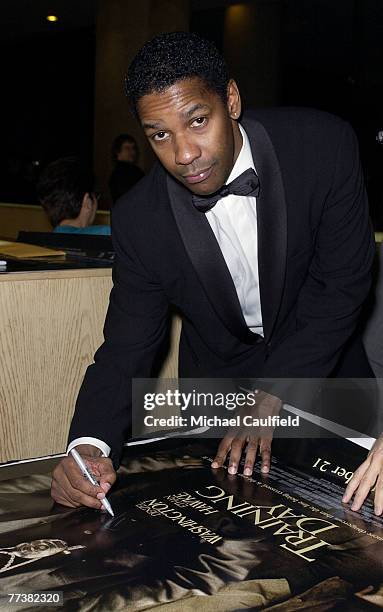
[{"x": 315, "y": 252}]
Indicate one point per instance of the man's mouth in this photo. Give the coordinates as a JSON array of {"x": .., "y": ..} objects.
[{"x": 202, "y": 175}]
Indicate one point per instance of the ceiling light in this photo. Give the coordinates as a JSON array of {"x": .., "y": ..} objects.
[{"x": 52, "y": 18}]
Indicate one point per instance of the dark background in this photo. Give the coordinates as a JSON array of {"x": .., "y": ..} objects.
[{"x": 331, "y": 57}]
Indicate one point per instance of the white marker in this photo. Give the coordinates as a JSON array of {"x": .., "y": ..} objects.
[{"x": 78, "y": 459}]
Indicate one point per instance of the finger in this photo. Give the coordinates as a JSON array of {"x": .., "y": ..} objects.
[
  {"x": 378, "y": 496},
  {"x": 59, "y": 488},
  {"x": 251, "y": 453},
  {"x": 82, "y": 499},
  {"x": 54, "y": 487},
  {"x": 266, "y": 432},
  {"x": 363, "y": 490},
  {"x": 222, "y": 451},
  {"x": 265, "y": 450},
  {"x": 59, "y": 496},
  {"x": 235, "y": 453},
  {"x": 77, "y": 496},
  {"x": 59, "y": 485},
  {"x": 77, "y": 481},
  {"x": 377, "y": 468},
  {"x": 355, "y": 481},
  {"x": 105, "y": 486}
]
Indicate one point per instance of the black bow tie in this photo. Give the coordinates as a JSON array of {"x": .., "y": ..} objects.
[{"x": 245, "y": 184}]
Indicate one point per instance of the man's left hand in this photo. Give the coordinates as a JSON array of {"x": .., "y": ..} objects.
[{"x": 250, "y": 439}]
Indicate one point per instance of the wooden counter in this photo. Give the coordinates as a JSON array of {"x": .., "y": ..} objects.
[{"x": 50, "y": 326}]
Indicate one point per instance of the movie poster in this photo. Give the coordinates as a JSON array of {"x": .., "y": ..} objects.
[{"x": 184, "y": 535}]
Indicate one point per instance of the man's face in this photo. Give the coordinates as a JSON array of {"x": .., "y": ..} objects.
[
  {"x": 193, "y": 132},
  {"x": 128, "y": 152}
]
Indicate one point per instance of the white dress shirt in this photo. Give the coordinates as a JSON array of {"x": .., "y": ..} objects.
[{"x": 234, "y": 223}]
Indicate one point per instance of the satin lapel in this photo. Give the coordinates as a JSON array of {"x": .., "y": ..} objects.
[
  {"x": 207, "y": 259},
  {"x": 271, "y": 223}
]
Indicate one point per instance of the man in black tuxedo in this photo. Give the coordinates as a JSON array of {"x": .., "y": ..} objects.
[{"x": 257, "y": 230}]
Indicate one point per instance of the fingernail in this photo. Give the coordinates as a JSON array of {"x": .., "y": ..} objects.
[
  {"x": 232, "y": 469},
  {"x": 264, "y": 469},
  {"x": 214, "y": 464},
  {"x": 378, "y": 511},
  {"x": 354, "y": 507},
  {"x": 106, "y": 486},
  {"x": 100, "y": 495},
  {"x": 247, "y": 471}
]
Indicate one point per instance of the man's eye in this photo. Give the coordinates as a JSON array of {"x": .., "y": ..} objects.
[
  {"x": 199, "y": 121},
  {"x": 159, "y": 136}
]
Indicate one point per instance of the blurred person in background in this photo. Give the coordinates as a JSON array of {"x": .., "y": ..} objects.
[
  {"x": 125, "y": 173},
  {"x": 66, "y": 192}
]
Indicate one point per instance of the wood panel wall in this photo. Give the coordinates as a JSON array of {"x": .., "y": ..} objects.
[{"x": 50, "y": 326}]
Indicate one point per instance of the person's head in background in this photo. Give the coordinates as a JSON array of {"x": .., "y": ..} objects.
[
  {"x": 125, "y": 149},
  {"x": 66, "y": 192}
]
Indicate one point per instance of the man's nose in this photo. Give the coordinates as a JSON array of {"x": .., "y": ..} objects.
[{"x": 186, "y": 151}]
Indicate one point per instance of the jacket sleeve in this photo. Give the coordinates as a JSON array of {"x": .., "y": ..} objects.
[
  {"x": 338, "y": 278},
  {"x": 135, "y": 327}
]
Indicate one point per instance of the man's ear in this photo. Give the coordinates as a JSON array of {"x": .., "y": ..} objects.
[{"x": 234, "y": 104}]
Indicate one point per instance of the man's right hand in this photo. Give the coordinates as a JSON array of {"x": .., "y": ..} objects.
[
  {"x": 71, "y": 488},
  {"x": 250, "y": 439}
]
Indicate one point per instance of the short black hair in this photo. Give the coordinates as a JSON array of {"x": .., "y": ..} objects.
[
  {"x": 172, "y": 57},
  {"x": 119, "y": 141},
  {"x": 61, "y": 188}
]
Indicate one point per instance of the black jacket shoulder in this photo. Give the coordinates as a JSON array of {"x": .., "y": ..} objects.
[
  {"x": 306, "y": 127},
  {"x": 294, "y": 117}
]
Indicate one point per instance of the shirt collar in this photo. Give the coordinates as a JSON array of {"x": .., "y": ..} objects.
[{"x": 244, "y": 159}]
